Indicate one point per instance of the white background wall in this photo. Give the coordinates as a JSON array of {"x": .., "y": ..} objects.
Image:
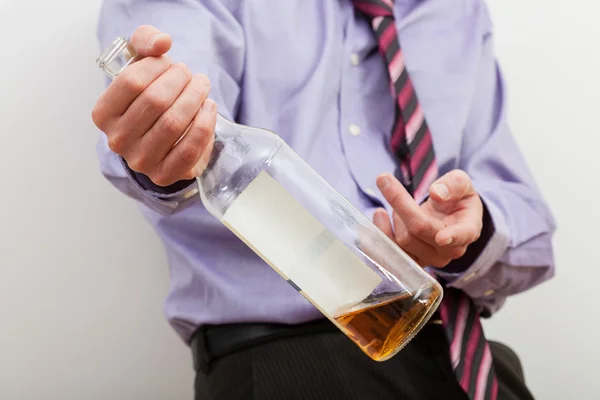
[{"x": 82, "y": 277}]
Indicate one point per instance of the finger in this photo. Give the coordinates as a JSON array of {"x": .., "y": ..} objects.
[
  {"x": 418, "y": 223},
  {"x": 416, "y": 259},
  {"x": 128, "y": 85},
  {"x": 173, "y": 123},
  {"x": 382, "y": 220},
  {"x": 410, "y": 243},
  {"x": 145, "y": 111},
  {"x": 460, "y": 234},
  {"x": 149, "y": 41},
  {"x": 190, "y": 156},
  {"x": 453, "y": 186}
]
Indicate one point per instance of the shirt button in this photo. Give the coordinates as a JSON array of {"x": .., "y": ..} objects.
[
  {"x": 370, "y": 192},
  {"x": 354, "y": 59},
  {"x": 354, "y": 130}
]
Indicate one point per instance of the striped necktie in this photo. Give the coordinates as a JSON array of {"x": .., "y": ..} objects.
[{"x": 412, "y": 145}]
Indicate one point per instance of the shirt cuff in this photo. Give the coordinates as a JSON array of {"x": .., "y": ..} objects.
[
  {"x": 169, "y": 197},
  {"x": 468, "y": 273}
]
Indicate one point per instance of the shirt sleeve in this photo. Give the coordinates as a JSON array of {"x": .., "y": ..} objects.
[
  {"x": 515, "y": 251},
  {"x": 209, "y": 39}
]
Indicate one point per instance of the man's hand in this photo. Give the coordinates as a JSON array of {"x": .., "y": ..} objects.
[
  {"x": 439, "y": 230},
  {"x": 156, "y": 115}
]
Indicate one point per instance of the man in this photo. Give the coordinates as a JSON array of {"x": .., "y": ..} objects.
[{"x": 400, "y": 106}]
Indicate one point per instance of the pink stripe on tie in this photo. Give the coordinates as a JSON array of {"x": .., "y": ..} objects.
[
  {"x": 387, "y": 36},
  {"x": 396, "y": 66},
  {"x": 376, "y": 22},
  {"x": 405, "y": 93},
  {"x": 494, "y": 392},
  {"x": 420, "y": 152},
  {"x": 469, "y": 355},
  {"x": 431, "y": 175},
  {"x": 413, "y": 124},
  {"x": 373, "y": 9},
  {"x": 405, "y": 173},
  {"x": 482, "y": 375},
  {"x": 459, "y": 329}
]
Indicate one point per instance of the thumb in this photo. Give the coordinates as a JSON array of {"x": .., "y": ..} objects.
[
  {"x": 452, "y": 187},
  {"x": 150, "y": 42}
]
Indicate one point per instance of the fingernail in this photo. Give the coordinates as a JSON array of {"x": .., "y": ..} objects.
[
  {"x": 378, "y": 218},
  {"x": 449, "y": 241},
  {"x": 383, "y": 182},
  {"x": 441, "y": 190},
  {"x": 210, "y": 105},
  {"x": 155, "y": 38},
  {"x": 202, "y": 77}
]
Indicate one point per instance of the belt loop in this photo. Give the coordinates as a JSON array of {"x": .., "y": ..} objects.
[{"x": 199, "y": 351}]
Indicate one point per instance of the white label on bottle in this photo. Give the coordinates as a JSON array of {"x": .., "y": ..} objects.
[{"x": 279, "y": 229}]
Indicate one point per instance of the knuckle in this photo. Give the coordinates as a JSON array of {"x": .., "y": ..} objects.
[
  {"x": 190, "y": 154},
  {"x": 402, "y": 237},
  {"x": 458, "y": 252},
  {"x": 395, "y": 199},
  {"x": 132, "y": 82},
  {"x": 417, "y": 227},
  {"x": 98, "y": 117},
  {"x": 172, "y": 123},
  {"x": 461, "y": 179},
  {"x": 202, "y": 128},
  {"x": 162, "y": 179},
  {"x": 156, "y": 101},
  {"x": 138, "y": 163},
  {"x": 201, "y": 84},
  {"x": 440, "y": 262},
  {"x": 116, "y": 142},
  {"x": 205, "y": 128},
  {"x": 183, "y": 69}
]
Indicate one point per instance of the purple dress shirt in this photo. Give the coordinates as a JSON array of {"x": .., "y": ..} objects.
[{"x": 310, "y": 71}]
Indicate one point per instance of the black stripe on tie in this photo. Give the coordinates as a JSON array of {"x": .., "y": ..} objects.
[
  {"x": 418, "y": 137},
  {"x": 401, "y": 81},
  {"x": 390, "y": 52},
  {"x": 385, "y": 22},
  {"x": 490, "y": 382},
  {"x": 402, "y": 150},
  {"x": 410, "y": 107},
  {"x": 469, "y": 324},
  {"x": 418, "y": 177},
  {"x": 476, "y": 362},
  {"x": 452, "y": 308}
]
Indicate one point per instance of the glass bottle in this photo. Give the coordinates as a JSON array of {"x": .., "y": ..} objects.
[{"x": 268, "y": 196}]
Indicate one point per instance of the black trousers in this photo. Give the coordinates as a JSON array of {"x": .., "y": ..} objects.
[{"x": 328, "y": 366}]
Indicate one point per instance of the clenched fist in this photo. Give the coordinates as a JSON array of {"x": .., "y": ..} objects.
[{"x": 156, "y": 114}]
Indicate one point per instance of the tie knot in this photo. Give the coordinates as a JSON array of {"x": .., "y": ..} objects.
[{"x": 375, "y": 8}]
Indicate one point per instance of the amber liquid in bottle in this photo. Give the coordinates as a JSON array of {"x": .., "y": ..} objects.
[{"x": 378, "y": 329}]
